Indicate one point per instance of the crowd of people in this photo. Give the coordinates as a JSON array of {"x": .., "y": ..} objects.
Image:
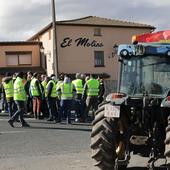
[{"x": 49, "y": 97}]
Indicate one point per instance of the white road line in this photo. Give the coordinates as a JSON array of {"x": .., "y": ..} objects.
[
  {"x": 4, "y": 119},
  {"x": 11, "y": 132}
]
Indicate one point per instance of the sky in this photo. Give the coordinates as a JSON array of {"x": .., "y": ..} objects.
[{"x": 20, "y": 19}]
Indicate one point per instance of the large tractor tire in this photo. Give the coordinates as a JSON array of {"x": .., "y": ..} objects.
[
  {"x": 106, "y": 147},
  {"x": 167, "y": 141}
]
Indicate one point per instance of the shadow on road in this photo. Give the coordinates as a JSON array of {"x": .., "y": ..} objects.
[
  {"x": 41, "y": 122},
  {"x": 144, "y": 168},
  {"x": 61, "y": 128},
  {"x": 82, "y": 124},
  {"x": 137, "y": 168},
  {"x": 46, "y": 122}
]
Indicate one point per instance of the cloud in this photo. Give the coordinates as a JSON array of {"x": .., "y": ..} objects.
[
  {"x": 152, "y": 12},
  {"x": 20, "y": 19}
]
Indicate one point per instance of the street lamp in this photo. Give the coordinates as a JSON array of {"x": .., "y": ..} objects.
[
  {"x": 42, "y": 49},
  {"x": 115, "y": 48},
  {"x": 42, "y": 57}
]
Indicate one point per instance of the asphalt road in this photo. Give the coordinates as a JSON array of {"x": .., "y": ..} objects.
[{"x": 50, "y": 146}]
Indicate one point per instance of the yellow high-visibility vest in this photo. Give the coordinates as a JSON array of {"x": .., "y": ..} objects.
[
  {"x": 78, "y": 83},
  {"x": 93, "y": 87},
  {"x": 9, "y": 89},
  {"x": 19, "y": 91},
  {"x": 34, "y": 89},
  {"x": 66, "y": 91},
  {"x": 54, "y": 91}
]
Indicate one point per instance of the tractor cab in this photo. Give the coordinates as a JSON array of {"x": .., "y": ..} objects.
[{"x": 145, "y": 69}]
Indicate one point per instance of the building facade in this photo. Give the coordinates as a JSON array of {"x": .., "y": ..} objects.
[
  {"x": 20, "y": 56},
  {"x": 86, "y": 45}
]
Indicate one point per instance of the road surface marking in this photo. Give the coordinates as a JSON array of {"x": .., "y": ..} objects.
[
  {"x": 11, "y": 132},
  {"x": 4, "y": 119}
]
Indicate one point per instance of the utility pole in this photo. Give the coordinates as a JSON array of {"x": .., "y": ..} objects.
[{"x": 55, "y": 51}]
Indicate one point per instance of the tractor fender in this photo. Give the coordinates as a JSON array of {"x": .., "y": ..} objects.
[
  {"x": 116, "y": 98},
  {"x": 165, "y": 102}
]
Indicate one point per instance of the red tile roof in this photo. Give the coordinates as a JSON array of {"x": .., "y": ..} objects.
[
  {"x": 94, "y": 21},
  {"x": 2, "y": 43}
]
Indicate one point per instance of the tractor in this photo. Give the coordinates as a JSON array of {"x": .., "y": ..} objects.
[{"x": 136, "y": 118}]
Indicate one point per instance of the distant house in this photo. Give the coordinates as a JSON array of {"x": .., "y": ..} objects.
[{"x": 20, "y": 56}]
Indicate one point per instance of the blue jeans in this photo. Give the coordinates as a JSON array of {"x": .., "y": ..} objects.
[
  {"x": 79, "y": 108},
  {"x": 20, "y": 111},
  {"x": 91, "y": 102},
  {"x": 51, "y": 102},
  {"x": 12, "y": 107},
  {"x": 65, "y": 108}
]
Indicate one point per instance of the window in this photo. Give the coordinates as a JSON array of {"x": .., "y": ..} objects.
[
  {"x": 18, "y": 58},
  {"x": 99, "y": 58},
  {"x": 24, "y": 59},
  {"x": 97, "y": 32},
  {"x": 12, "y": 59}
]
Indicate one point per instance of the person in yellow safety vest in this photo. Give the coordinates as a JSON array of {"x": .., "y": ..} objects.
[
  {"x": 101, "y": 90},
  {"x": 36, "y": 93},
  {"x": 90, "y": 95},
  {"x": 79, "y": 105},
  {"x": 44, "y": 107},
  {"x": 44, "y": 81},
  {"x": 29, "y": 97},
  {"x": 20, "y": 99},
  {"x": 53, "y": 77},
  {"x": 66, "y": 90},
  {"x": 51, "y": 96},
  {"x": 61, "y": 79},
  {"x": 8, "y": 87},
  {"x": 4, "y": 101}
]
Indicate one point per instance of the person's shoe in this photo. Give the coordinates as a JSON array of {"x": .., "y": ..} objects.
[
  {"x": 69, "y": 122},
  {"x": 57, "y": 121},
  {"x": 49, "y": 119},
  {"x": 35, "y": 116},
  {"x": 82, "y": 120},
  {"x": 40, "y": 118},
  {"x": 25, "y": 125},
  {"x": 29, "y": 113},
  {"x": 76, "y": 120},
  {"x": 11, "y": 123}
]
